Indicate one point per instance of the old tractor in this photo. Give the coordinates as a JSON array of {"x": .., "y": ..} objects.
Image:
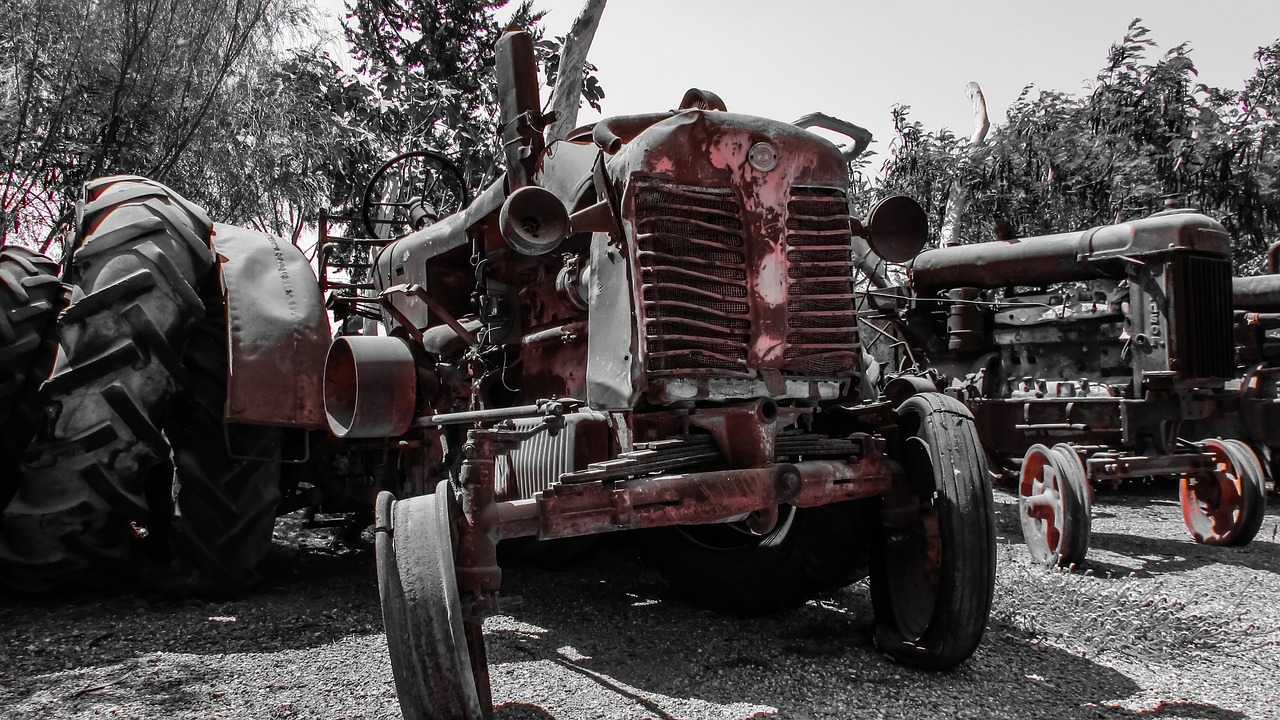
[
  {"x": 649, "y": 324},
  {"x": 645, "y": 324},
  {"x": 1088, "y": 359}
]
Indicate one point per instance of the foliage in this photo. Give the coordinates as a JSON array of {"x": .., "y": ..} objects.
[
  {"x": 1147, "y": 135},
  {"x": 426, "y": 76},
  {"x": 124, "y": 86}
]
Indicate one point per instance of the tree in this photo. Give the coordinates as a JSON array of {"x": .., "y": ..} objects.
[
  {"x": 121, "y": 86},
  {"x": 1147, "y": 135},
  {"x": 426, "y": 75}
]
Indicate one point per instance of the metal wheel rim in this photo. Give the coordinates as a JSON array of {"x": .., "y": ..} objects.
[
  {"x": 1215, "y": 508},
  {"x": 915, "y": 561},
  {"x": 430, "y": 660},
  {"x": 1041, "y": 505}
]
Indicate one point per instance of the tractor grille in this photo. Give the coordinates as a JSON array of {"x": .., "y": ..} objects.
[
  {"x": 822, "y": 323},
  {"x": 1205, "y": 344},
  {"x": 693, "y": 251}
]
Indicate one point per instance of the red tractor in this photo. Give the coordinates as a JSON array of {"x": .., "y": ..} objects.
[
  {"x": 650, "y": 323},
  {"x": 645, "y": 324},
  {"x": 1087, "y": 358}
]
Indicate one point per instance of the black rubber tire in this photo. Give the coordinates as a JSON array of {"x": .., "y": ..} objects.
[
  {"x": 422, "y": 611},
  {"x": 947, "y": 473},
  {"x": 31, "y": 296},
  {"x": 726, "y": 569},
  {"x": 226, "y": 479},
  {"x": 142, "y": 251}
]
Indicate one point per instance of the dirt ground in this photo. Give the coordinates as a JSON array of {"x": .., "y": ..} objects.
[{"x": 1153, "y": 627}]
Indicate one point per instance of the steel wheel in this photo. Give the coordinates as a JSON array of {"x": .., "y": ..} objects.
[
  {"x": 1226, "y": 506},
  {"x": 1054, "y": 505},
  {"x": 422, "y": 611},
  {"x": 933, "y": 576}
]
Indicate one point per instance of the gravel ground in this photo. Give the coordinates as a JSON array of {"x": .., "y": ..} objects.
[{"x": 1153, "y": 627}]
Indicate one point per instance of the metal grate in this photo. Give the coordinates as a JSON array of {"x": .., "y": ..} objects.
[
  {"x": 822, "y": 337},
  {"x": 694, "y": 277},
  {"x": 1205, "y": 341},
  {"x": 692, "y": 249}
]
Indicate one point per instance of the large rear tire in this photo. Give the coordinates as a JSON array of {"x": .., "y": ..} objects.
[
  {"x": 31, "y": 297},
  {"x": 422, "y": 611},
  {"x": 728, "y": 568},
  {"x": 226, "y": 484},
  {"x": 82, "y": 501},
  {"x": 932, "y": 579}
]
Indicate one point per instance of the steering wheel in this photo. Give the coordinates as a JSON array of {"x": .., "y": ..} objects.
[{"x": 410, "y": 191}]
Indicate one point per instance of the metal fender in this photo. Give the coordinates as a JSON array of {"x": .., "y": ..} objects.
[{"x": 278, "y": 332}]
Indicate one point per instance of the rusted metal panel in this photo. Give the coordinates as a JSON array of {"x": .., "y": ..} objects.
[
  {"x": 739, "y": 239},
  {"x": 697, "y": 498},
  {"x": 277, "y": 329}
]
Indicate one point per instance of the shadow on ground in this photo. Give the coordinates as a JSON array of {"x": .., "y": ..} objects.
[{"x": 610, "y": 621}]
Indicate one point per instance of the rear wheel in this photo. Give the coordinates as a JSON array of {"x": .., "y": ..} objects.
[
  {"x": 729, "y": 568},
  {"x": 30, "y": 298},
  {"x": 82, "y": 501},
  {"x": 1225, "y": 507},
  {"x": 226, "y": 483},
  {"x": 933, "y": 565},
  {"x": 422, "y": 611},
  {"x": 1054, "y": 505}
]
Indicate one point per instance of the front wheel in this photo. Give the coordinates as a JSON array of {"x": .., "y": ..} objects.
[
  {"x": 422, "y": 611},
  {"x": 1054, "y": 505},
  {"x": 933, "y": 563},
  {"x": 1226, "y": 506}
]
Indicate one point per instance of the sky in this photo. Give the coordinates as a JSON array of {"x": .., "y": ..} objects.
[{"x": 856, "y": 60}]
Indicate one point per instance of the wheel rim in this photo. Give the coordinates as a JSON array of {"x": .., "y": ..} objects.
[
  {"x": 1054, "y": 505},
  {"x": 915, "y": 558},
  {"x": 1041, "y": 504},
  {"x": 1221, "y": 506},
  {"x": 734, "y": 536}
]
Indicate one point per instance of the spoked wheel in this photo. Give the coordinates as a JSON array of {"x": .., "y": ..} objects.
[
  {"x": 728, "y": 567},
  {"x": 410, "y": 190},
  {"x": 933, "y": 565},
  {"x": 1054, "y": 505},
  {"x": 1225, "y": 507},
  {"x": 422, "y": 611}
]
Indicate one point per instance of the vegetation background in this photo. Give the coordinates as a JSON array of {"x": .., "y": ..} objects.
[{"x": 237, "y": 105}]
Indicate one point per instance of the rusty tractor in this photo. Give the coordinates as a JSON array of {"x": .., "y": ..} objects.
[
  {"x": 648, "y": 324},
  {"x": 1087, "y": 358},
  {"x": 645, "y": 324}
]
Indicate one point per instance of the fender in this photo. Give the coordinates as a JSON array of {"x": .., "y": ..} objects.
[{"x": 277, "y": 330}]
